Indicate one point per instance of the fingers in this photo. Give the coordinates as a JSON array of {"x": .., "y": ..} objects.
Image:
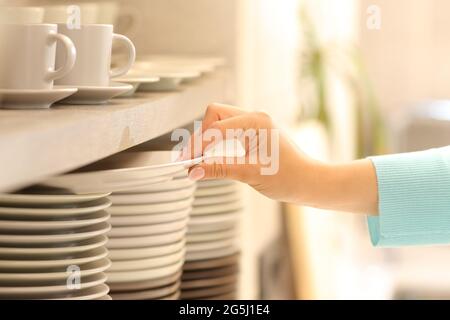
[
  {"x": 229, "y": 129},
  {"x": 215, "y": 112},
  {"x": 213, "y": 171},
  {"x": 225, "y": 122}
]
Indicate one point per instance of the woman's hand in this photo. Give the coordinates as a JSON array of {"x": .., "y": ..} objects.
[{"x": 275, "y": 167}]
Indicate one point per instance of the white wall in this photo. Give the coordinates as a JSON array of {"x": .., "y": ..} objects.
[{"x": 409, "y": 58}]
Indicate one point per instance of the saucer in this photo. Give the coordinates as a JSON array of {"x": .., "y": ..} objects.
[
  {"x": 170, "y": 79},
  {"x": 167, "y": 82},
  {"x": 88, "y": 95},
  {"x": 33, "y": 99},
  {"x": 136, "y": 82}
]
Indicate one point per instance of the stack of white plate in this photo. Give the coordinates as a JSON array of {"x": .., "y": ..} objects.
[
  {"x": 42, "y": 235},
  {"x": 147, "y": 241},
  {"x": 52, "y": 246},
  {"x": 212, "y": 237}
]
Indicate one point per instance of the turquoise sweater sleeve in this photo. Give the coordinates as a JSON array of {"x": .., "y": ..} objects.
[{"x": 414, "y": 199}]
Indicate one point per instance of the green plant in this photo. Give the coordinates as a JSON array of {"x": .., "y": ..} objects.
[{"x": 318, "y": 61}]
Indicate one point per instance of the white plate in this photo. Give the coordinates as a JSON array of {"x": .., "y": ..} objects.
[
  {"x": 117, "y": 186},
  {"x": 49, "y": 198},
  {"x": 211, "y": 245},
  {"x": 38, "y": 239},
  {"x": 213, "y": 200},
  {"x": 33, "y": 99},
  {"x": 209, "y": 61},
  {"x": 96, "y": 95},
  {"x": 163, "y": 71},
  {"x": 146, "y": 285},
  {"x": 152, "y": 294},
  {"x": 212, "y": 227},
  {"x": 148, "y": 230},
  {"x": 214, "y": 183},
  {"x": 169, "y": 78},
  {"x": 53, "y": 274},
  {"x": 136, "y": 79},
  {"x": 53, "y": 225},
  {"x": 226, "y": 217},
  {"x": 136, "y": 82},
  {"x": 54, "y": 211},
  {"x": 172, "y": 297},
  {"x": 45, "y": 289},
  {"x": 148, "y": 252},
  {"x": 126, "y": 221},
  {"x": 66, "y": 249},
  {"x": 142, "y": 275},
  {"x": 80, "y": 258},
  {"x": 149, "y": 263},
  {"x": 151, "y": 208},
  {"x": 216, "y": 208},
  {"x": 166, "y": 83},
  {"x": 215, "y": 191},
  {"x": 123, "y": 185},
  {"x": 193, "y": 238},
  {"x": 211, "y": 254},
  {"x": 174, "y": 184},
  {"x": 123, "y": 171},
  {"x": 154, "y": 197},
  {"x": 174, "y": 65},
  {"x": 84, "y": 294},
  {"x": 148, "y": 241}
]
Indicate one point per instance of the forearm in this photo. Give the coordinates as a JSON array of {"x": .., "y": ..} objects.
[{"x": 348, "y": 187}]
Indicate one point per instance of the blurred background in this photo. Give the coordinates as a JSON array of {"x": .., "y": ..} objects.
[{"x": 347, "y": 79}]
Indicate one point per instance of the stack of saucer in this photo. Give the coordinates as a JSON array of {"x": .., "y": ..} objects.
[
  {"x": 52, "y": 246},
  {"x": 147, "y": 240},
  {"x": 211, "y": 269}
]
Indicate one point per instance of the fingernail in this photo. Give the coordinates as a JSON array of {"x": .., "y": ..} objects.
[{"x": 197, "y": 174}]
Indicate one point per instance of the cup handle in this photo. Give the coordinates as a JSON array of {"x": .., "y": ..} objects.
[
  {"x": 117, "y": 72},
  {"x": 71, "y": 55}
]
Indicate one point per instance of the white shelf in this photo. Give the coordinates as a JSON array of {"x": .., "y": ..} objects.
[{"x": 35, "y": 144}]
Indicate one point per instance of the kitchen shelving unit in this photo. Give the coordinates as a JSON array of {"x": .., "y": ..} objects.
[{"x": 36, "y": 144}]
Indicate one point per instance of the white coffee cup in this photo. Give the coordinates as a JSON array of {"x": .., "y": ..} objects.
[
  {"x": 88, "y": 13},
  {"x": 27, "y": 56},
  {"x": 21, "y": 15},
  {"x": 94, "y": 46}
]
